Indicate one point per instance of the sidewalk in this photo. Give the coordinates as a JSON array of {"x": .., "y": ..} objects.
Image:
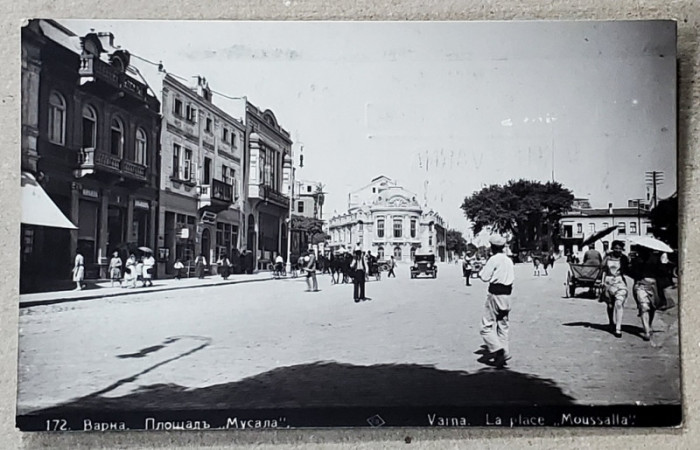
[{"x": 103, "y": 289}]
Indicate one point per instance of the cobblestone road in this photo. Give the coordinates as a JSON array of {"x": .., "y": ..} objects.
[{"x": 272, "y": 344}]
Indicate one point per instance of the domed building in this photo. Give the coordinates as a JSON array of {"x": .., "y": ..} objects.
[{"x": 386, "y": 219}]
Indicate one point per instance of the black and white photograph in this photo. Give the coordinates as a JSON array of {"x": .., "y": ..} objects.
[{"x": 269, "y": 225}]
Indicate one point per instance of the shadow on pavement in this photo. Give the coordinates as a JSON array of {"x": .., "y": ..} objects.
[
  {"x": 630, "y": 329},
  {"x": 331, "y": 384}
]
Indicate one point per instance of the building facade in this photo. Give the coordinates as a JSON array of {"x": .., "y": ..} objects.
[
  {"x": 307, "y": 199},
  {"x": 90, "y": 135},
  {"x": 268, "y": 152},
  {"x": 580, "y": 223},
  {"x": 201, "y": 207},
  {"x": 388, "y": 220}
]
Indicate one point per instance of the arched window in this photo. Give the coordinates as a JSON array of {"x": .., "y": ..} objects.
[
  {"x": 141, "y": 146},
  {"x": 116, "y": 143},
  {"x": 397, "y": 252},
  {"x": 380, "y": 253},
  {"x": 413, "y": 253},
  {"x": 57, "y": 118},
  {"x": 89, "y": 127}
]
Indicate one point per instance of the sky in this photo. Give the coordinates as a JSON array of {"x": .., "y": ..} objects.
[{"x": 444, "y": 108}]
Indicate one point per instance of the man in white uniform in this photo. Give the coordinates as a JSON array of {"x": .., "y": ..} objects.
[{"x": 499, "y": 273}]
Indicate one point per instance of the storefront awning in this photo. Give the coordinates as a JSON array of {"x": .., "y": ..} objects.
[{"x": 38, "y": 208}]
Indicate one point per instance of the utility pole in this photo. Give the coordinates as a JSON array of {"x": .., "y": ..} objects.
[{"x": 653, "y": 179}]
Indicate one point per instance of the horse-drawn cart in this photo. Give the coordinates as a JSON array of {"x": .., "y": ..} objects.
[{"x": 584, "y": 276}]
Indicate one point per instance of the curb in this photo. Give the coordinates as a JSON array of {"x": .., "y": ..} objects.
[{"x": 53, "y": 301}]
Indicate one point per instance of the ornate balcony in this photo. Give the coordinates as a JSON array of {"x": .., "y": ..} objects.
[
  {"x": 92, "y": 161},
  {"x": 216, "y": 196},
  {"x": 92, "y": 68}
]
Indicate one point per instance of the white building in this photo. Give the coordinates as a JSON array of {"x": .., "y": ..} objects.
[
  {"x": 386, "y": 219},
  {"x": 580, "y": 223}
]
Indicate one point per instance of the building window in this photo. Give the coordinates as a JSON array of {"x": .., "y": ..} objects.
[
  {"x": 605, "y": 225},
  {"x": 374, "y": 190},
  {"x": 398, "y": 228},
  {"x": 141, "y": 147},
  {"x": 191, "y": 113},
  {"x": 579, "y": 228},
  {"x": 633, "y": 228},
  {"x": 177, "y": 108},
  {"x": 397, "y": 252},
  {"x": 308, "y": 188},
  {"x": 300, "y": 207},
  {"x": 116, "y": 142},
  {"x": 207, "y": 126},
  {"x": 413, "y": 228},
  {"x": 591, "y": 228},
  {"x": 380, "y": 228},
  {"x": 89, "y": 127},
  {"x": 224, "y": 135},
  {"x": 57, "y": 119},
  {"x": 177, "y": 151},
  {"x": 649, "y": 229},
  {"x": 188, "y": 166},
  {"x": 621, "y": 228},
  {"x": 207, "y": 171},
  {"x": 430, "y": 241},
  {"x": 226, "y": 174},
  {"x": 233, "y": 139},
  {"x": 380, "y": 253}
]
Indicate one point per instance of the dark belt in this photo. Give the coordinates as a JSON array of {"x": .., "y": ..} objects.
[{"x": 500, "y": 289}]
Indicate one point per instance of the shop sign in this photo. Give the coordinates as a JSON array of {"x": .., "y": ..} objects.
[
  {"x": 141, "y": 204},
  {"x": 93, "y": 193},
  {"x": 184, "y": 233}
]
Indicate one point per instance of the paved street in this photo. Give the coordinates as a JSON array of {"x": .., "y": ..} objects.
[{"x": 270, "y": 343}]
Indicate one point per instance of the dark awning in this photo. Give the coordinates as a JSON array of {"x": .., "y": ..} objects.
[{"x": 38, "y": 208}]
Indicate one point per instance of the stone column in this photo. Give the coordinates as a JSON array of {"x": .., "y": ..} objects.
[
  {"x": 103, "y": 233},
  {"x": 129, "y": 217},
  {"x": 74, "y": 217}
]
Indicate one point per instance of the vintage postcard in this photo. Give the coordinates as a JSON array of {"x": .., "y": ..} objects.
[{"x": 255, "y": 225}]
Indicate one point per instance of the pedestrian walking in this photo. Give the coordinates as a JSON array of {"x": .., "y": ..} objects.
[
  {"x": 646, "y": 270},
  {"x": 311, "y": 272},
  {"x": 500, "y": 274},
  {"x": 199, "y": 264},
  {"x": 115, "y": 269},
  {"x": 358, "y": 269},
  {"x": 178, "y": 266},
  {"x": 537, "y": 263},
  {"x": 224, "y": 266},
  {"x": 468, "y": 268},
  {"x": 79, "y": 270},
  {"x": 615, "y": 268},
  {"x": 392, "y": 266},
  {"x": 279, "y": 266},
  {"x": 130, "y": 272},
  {"x": 548, "y": 262},
  {"x": 149, "y": 265}
]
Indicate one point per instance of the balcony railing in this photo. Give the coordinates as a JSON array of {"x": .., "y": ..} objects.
[
  {"x": 90, "y": 159},
  {"x": 269, "y": 194},
  {"x": 93, "y": 66},
  {"x": 217, "y": 190}
]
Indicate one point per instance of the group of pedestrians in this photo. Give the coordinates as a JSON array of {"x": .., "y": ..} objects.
[
  {"x": 135, "y": 270},
  {"x": 650, "y": 273}
]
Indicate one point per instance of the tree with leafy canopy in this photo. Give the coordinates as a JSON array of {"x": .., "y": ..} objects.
[
  {"x": 456, "y": 242},
  {"x": 664, "y": 220},
  {"x": 528, "y": 210},
  {"x": 310, "y": 228}
]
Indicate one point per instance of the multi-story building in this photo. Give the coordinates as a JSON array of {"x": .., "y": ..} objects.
[
  {"x": 386, "y": 219},
  {"x": 583, "y": 221},
  {"x": 201, "y": 209},
  {"x": 91, "y": 138},
  {"x": 307, "y": 201}
]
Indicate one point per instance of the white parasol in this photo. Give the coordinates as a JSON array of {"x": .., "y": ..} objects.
[{"x": 650, "y": 242}]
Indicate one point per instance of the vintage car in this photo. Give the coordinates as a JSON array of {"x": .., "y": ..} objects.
[{"x": 424, "y": 264}]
